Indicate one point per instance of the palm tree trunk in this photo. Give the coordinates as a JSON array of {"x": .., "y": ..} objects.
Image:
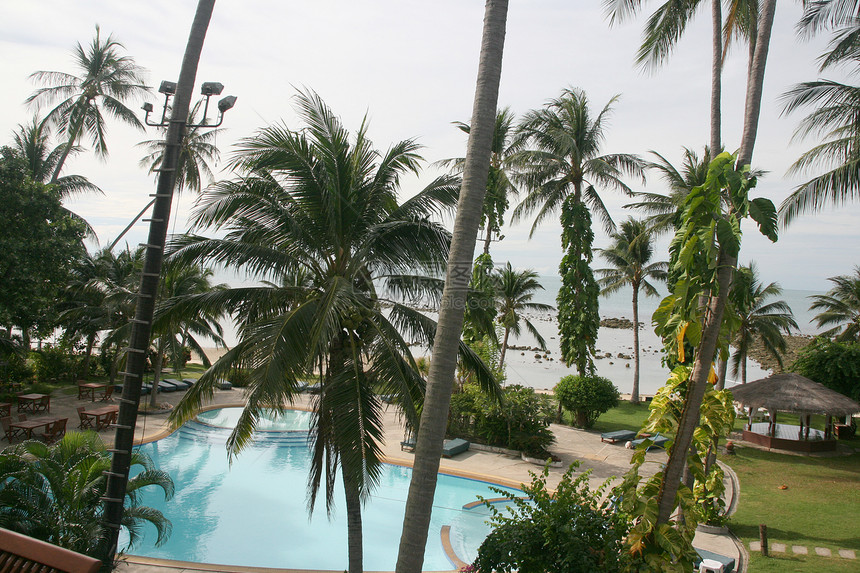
[
  {"x": 504, "y": 347},
  {"x": 727, "y": 263},
  {"x": 353, "y": 525},
  {"x": 721, "y": 373},
  {"x": 634, "y": 394},
  {"x": 744, "y": 370},
  {"x": 434, "y": 414},
  {"x": 156, "y": 374},
  {"x": 88, "y": 353},
  {"x": 488, "y": 239},
  {"x": 133, "y": 377},
  {"x": 716, "y": 76}
]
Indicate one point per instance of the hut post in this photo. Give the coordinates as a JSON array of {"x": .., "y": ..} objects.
[{"x": 828, "y": 427}]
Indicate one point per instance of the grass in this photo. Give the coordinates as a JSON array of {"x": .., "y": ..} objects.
[
  {"x": 625, "y": 416},
  {"x": 817, "y": 508}
]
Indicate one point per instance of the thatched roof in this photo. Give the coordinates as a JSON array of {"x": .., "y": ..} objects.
[{"x": 790, "y": 392}]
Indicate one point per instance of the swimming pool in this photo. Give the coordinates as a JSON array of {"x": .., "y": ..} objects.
[{"x": 254, "y": 512}]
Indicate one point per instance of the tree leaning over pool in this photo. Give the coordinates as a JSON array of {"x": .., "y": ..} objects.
[
  {"x": 434, "y": 415},
  {"x": 313, "y": 215}
]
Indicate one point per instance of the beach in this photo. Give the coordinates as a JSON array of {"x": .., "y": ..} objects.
[{"x": 614, "y": 349}]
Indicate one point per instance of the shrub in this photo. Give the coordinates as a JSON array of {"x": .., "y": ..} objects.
[
  {"x": 55, "y": 364},
  {"x": 587, "y": 397},
  {"x": 521, "y": 422},
  {"x": 239, "y": 377},
  {"x": 570, "y": 531},
  {"x": 834, "y": 364}
]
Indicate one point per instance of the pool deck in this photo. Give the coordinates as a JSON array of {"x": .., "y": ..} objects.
[{"x": 604, "y": 459}]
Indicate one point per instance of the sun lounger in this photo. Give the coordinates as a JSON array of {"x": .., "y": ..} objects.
[
  {"x": 189, "y": 381},
  {"x": 180, "y": 384},
  {"x": 451, "y": 448},
  {"x": 617, "y": 435},
  {"x": 175, "y": 384},
  {"x": 225, "y": 385},
  {"x": 657, "y": 441},
  {"x": 728, "y": 563},
  {"x": 166, "y": 386},
  {"x": 144, "y": 389}
]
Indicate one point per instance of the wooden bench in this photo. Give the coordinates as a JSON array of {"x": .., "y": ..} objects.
[{"x": 19, "y": 553}]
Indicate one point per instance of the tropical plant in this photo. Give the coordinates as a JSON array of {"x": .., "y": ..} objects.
[
  {"x": 323, "y": 203},
  {"x": 758, "y": 318},
  {"x": 148, "y": 289},
  {"x": 571, "y": 529},
  {"x": 840, "y": 308},
  {"x": 834, "y": 364},
  {"x": 515, "y": 291},
  {"x": 520, "y": 422},
  {"x": 630, "y": 256},
  {"x": 54, "y": 493},
  {"x": 560, "y": 168},
  {"x": 176, "y": 330},
  {"x": 662, "y": 210},
  {"x": 39, "y": 245},
  {"x": 440, "y": 382},
  {"x": 663, "y": 31},
  {"x": 587, "y": 397},
  {"x": 499, "y": 185},
  {"x": 107, "y": 81}
]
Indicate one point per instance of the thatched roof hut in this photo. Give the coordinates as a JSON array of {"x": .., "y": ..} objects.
[{"x": 790, "y": 392}]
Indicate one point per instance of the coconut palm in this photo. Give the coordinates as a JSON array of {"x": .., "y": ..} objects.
[
  {"x": 561, "y": 159},
  {"x": 561, "y": 169},
  {"x": 835, "y": 121},
  {"x": 176, "y": 330},
  {"x": 322, "y": 203},
  {"x": 630, "y": 256},
  {"x": 663, "y": 31},
  {"x": 499, "y": 185},
  {"x": 662, "y": 209},
  {"x": 440, "y": 383},
  {"x": 197, "y": 154},
  {"x": 54, "y": 493},
  {"x": 759, "y": 318},
  {"x": 108, "y": 80},
  {"x": 514, "y": 293},
  {"x": 840, "y": 307}
]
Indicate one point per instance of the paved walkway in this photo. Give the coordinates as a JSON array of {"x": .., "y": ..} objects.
[{"x": 604, "y": 459}]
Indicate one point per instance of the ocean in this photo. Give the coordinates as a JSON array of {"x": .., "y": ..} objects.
[{"x": 524, "y": 367}]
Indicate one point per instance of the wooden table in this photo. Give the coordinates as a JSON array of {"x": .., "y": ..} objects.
[
  {"x": 89, "y": 389},
  {"x": 34, "y": 403},
  {"x": 27, "y": 426},
  {"x": 100, "y": 418}
]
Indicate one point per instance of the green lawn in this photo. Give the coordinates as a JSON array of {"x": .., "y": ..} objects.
[
  {"x": 625, "y": 416},
  {"x": 818, "y": 508}
]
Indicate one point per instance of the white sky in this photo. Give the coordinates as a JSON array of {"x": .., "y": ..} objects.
[{"x": 410, "y": 66}]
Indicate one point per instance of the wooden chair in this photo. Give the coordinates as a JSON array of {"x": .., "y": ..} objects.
[
  {"x": 86, "y": 421},
  {"x": 12, "y": 434},
  {"x": 19, "y": 553},
  {"x": 106, "y": 397},
  {"x": 54, "y": 432}
]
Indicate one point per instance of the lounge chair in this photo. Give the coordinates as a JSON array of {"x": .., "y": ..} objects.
[
  {"x": 22, "y": 553},
  {"x": 617, "y": 435},
  {"x": 180, "y": 384},
  {"x": 657, "y": 441},
  {"x": 166, "y": 386},
  {"x": 451, "y": 448},
  {"x": 190, "y": 381},
  {"x": 728, "y": 563},
  {"x": 225, "y": 385}
]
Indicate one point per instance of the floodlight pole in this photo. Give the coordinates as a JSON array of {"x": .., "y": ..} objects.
[{"x": 117, "y": 477}]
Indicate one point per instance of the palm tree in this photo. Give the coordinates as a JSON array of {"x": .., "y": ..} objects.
[
  {"x": 663, "y": 31},
  {"x": 177, "y": 330},
  {"x": 499, "y": 185},
  {"x": 197, "y": 151},
  {"x": 107, "y": 81},
  {"x": 32, "y": 143},
  {"x": 54, "y": 493},
  {"x": 726, "y": 264},
  {"x": 758, "y": 319},
  {"x": 561, "y": 169},
  {"x": 440, "y": 383},
  {"x": 322, "y": 204},
  {"x": 840, "y": 307},
  {"x": 148, "y": 289},
  {"x": 662, "y": 210},
  {"x": 630, "y": 255},
  {"x": 514, "y": 292}
]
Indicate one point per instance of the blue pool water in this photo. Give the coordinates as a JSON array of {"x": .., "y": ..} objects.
[{"x": 254, "y": 512}]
